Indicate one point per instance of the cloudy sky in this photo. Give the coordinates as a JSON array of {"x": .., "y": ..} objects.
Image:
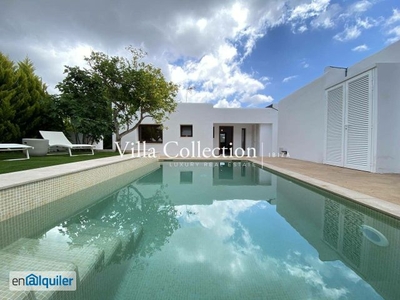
[{"x": 226, "y": 52}]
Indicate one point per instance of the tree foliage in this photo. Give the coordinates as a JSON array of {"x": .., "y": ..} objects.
[
  {"x": 83, "y": 106},
  {"x": 130, "y": 90},
  {"x": 25, "y": 104},
  {"x": 8, "y": 129}
]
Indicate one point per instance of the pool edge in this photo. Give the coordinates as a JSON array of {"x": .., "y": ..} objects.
[
  {"x": 42, "y": 186},
  {"x": 380, "y": 205}
]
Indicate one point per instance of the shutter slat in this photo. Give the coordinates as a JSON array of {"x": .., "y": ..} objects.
[
  {"x": 358, "y": 120},
  {"x": 334, "y": 140}
]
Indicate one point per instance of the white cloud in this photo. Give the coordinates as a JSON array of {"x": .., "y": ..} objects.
[
  {"x": 394, "y": 18},
  {"x": 266, "y": 79},
  {"x": 349, "y": 33},
  {"x": 393, "y": 31},
  {"x": 200, "y": 43},
  {"x": 315, "y": 10},
  {"x": 257, "y": 99},
  {"x": 289, "y": 78},
  {"x": 327, "y": 18},
  {"x": 354, "y": 22},
  {"x": 309, "y": 9},
  {"x": 302, "y": 28},
  {"x": 226, "y": 104},
  {"x": 366, "y": 23},
  {"x": 220, "y": 78},
  {"x": 360, "y": 6},
  {"x": 354, "y": 31},
  {"x": 360, "y": 48},
  {"x": 199, "y": 31},
  {"x": 304, "y": 64},
  {"x": 395, "y": 35}
]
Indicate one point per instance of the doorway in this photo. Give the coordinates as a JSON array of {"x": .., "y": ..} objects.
[
  {"x": 349, "y": 123},
  {"x": 225, "y": 140}
]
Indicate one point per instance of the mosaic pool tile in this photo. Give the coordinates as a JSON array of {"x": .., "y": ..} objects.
[
  {"x": 87, "y": 258},
  {"x": 22, "y": 198}
]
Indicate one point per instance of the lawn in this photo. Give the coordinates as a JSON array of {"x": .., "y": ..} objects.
[{"x": 43, "y": 161}]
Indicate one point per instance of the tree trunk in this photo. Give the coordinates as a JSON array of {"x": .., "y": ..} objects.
[{"x": 118, "y": 136}]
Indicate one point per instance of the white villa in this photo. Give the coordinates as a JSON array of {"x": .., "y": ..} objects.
[
  {"x": 348, "y": 117},
  {"x": 200, "y": 130}
]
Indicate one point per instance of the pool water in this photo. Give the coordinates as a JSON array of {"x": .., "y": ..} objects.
[{"x": 231, "y": 230}]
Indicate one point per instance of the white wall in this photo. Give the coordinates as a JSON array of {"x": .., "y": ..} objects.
[
  {"x": 203, "y": 117},
  {"x": 301, "y": 124},
  {"x": 266, "y": 140},
  {"x": 388, "y": 118},
  {"x": 196, "y": 115},
  {"x": 302, "y": 115}
]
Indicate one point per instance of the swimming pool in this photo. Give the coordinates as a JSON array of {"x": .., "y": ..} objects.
[{"x": 220, "y": 230}]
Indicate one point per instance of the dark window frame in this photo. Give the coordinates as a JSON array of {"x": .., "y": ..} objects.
[
  {"x": 187, "y": 126},
  {"x": 186, "y": 177},
  {"x": 147, "y": 140},
  {"x": 243, "y": 137}
]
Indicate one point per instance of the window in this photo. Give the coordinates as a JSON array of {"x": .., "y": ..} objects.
[
  {"x": 243, "y": 138},
  {"x": 150, "y": 133},
  {"x": 186, "y": 130},
  {"x": 186, "y": 177}
]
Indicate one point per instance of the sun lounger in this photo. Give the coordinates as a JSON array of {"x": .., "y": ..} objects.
[
  {"x": 16, "y": 147},
  {"x": 58, "y": 139}
]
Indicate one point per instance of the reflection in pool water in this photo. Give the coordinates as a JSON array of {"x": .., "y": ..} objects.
[
  {"x": 232, "y": 230},
  {"x": 262, "y": 236}
]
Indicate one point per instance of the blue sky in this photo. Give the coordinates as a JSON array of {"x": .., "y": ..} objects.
[
  {"x": 227, "y": 52},
  {"x": 292, "y": 58}
]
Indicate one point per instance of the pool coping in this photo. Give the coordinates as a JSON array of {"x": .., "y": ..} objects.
[
  {"x": 13, "y": 179},
  {"x": 25, "y": 191}
]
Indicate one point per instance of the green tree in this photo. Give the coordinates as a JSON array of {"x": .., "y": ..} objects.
[
  {"x": 134, "y": 90},
  {"x": 83, "y": 106},
  {"x": 31, "y": 99},
  {"x": 25, "y": 104},
  {"x": 8, "y": 129}
]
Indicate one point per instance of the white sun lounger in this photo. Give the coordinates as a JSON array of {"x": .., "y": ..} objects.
[
  {"x": 16, "y": 147},
  {"x": 57, "y": 138}
]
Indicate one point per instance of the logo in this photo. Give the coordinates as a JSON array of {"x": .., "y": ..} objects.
[{"x": 43, "y": 281}]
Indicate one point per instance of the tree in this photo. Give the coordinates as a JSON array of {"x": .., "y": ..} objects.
[
  {"x": 30, "y": 100},
  {"x": 8, "y": 129},
  {"x": 83, "y": 106},
  {"x": 132, "y": 89},
  {"x": 25, "y": 103}
]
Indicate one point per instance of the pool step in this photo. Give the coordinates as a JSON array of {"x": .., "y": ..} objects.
[
  {"x": 6, "y": 294},
  {"x": 110, "y": 244},
  {"x": 87, "y": 247},
  {"x": 87, "y": 258},
  {"x": 15, "y": 262}
]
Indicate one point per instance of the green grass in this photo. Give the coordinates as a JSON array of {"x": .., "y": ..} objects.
[{"x": 43, "y": 161}]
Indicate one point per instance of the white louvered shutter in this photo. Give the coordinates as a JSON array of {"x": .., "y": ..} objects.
[
  {"x": 358, "y": 124},
  {"x": 334, "y": 129}
]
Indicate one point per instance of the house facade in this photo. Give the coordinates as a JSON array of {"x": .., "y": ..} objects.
[
  {"x": 201, "y": 130},
  {"x": 348, "y": 117}
]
